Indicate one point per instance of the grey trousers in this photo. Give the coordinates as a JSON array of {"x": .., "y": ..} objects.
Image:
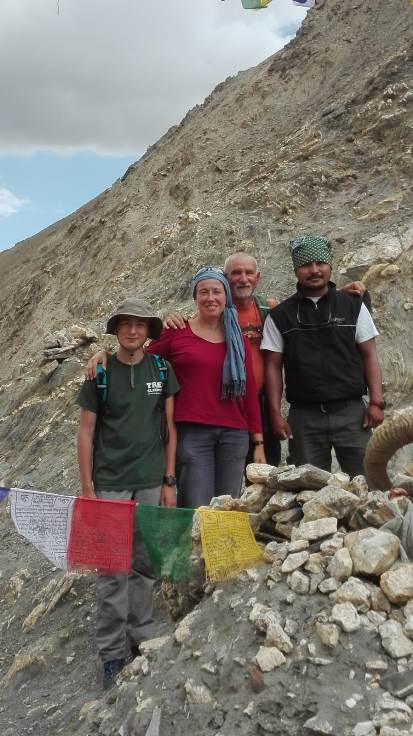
[
  {"x": 315, "y": 434},
  {"x": 125, "y": 602},
  {"x": 210, "y": 462}
]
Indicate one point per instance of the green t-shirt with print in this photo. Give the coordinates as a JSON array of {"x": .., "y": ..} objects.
[{"x": 128, "y": 452}]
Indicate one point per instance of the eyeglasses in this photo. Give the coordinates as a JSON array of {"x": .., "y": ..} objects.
[{"x": 315, "y": 325}]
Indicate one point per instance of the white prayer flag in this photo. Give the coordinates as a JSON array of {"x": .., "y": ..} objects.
[{"x": 44, "y": 519}]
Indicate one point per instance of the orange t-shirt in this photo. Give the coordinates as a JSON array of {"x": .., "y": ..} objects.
[{"x": 251, "y": 326}]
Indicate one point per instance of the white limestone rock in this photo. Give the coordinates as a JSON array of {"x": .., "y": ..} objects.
[
  {"x": 328, "y": 634},
  {"x": 184, "y": 629},
  {"x": 346, "y": 616},
  {"x": 278, "y": 551},
  {"x": 397, "y": 584},
  {"x": 272, "y": 481},
  {"x": 268, "y": 658},
  {"x": 378, "y": 601},
  {"x": 305, "y": 477},
  {"x": 298, "y": 582},
  {"x": 372, "y": 551},
  {"x": 223, "y": 503},
  {"x": 313, "y": 530},
  {"x": 263, "y": 616},
  {"x": 294, "y": 561},
  {"x": 305, "y": 496},
  {"x": 197, "y": 694},
  {"x": 355, "y": 592},
  {"x": 153, "y": 645},
  {"x": 257, "y": 473},
  {"x": 359, "y": 487},
  {"x": 317, "y": 562},
  {"x": 329, "y": 585},
  {"x": 394, "y": 641},
  {"x": 330, "y": 501},
  {"x": 276, "y": 637},
  {"x": 253, "y": 499},
  {"x": 331, "y": 545},
  {"x": 340, "y": 566},
  {"x": 298, "y": 546}
]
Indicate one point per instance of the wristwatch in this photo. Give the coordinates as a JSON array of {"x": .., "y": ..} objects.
[
  {"x": 169, "y": 480},
  {"x": 380, "y": 404}
]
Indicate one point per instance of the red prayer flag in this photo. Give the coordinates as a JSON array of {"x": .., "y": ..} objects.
[{"x": 101, "y": 536}]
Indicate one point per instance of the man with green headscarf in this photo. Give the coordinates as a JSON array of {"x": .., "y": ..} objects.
[{"x": 324, "y": 340}]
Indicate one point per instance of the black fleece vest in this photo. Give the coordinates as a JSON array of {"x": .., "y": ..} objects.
[{"x": 321, "y": 359}]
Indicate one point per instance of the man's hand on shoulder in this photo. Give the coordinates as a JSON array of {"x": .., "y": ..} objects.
[
  {"x": 168, "y": 496},
  {"x": 175, "y": 321},
  {"x": 355, "y": 288},
  {"x": 271, "y": 303},
  {"x": 90, "y": 371},
  {"x": 373, "y": 416}
]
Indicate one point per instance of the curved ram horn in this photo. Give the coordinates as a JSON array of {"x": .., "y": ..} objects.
[{"x": 390, "y": 436}]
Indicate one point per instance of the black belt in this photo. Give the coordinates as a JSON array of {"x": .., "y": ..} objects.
[{"x": 326, "y": 407}]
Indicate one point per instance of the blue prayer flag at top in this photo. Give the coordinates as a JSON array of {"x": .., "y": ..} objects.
[
  {"x": 4, "y": 492},
  {"x": 304, "y": 3}
]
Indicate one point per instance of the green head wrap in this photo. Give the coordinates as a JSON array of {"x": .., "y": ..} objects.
[{"x": 309, "y": 248}]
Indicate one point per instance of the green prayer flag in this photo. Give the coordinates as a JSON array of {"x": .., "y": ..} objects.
[{"x": 166, "y": 533}]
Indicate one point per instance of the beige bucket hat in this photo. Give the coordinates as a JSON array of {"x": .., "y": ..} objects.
[{"x": 132, "y": 307}]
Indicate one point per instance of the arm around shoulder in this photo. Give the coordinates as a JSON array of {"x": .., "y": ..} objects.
[{"x": 85, "y": 436}]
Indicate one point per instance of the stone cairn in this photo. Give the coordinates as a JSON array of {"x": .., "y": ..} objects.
[{"x": 327, "y": 539}]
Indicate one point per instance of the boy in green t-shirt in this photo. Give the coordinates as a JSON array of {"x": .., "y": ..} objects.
[{"x": 122, "y": 455}]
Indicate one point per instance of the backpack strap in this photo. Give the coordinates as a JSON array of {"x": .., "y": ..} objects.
[
  {"x": 262, "y": 306},
  {"x": 162, "y": 368},
  {"x": 101, "y": 387}
]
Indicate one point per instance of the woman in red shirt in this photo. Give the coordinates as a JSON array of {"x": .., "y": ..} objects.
[{"x": 216, "y": 410}]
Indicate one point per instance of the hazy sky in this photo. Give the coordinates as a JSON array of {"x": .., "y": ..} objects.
[{"x": 86, "y": 90}]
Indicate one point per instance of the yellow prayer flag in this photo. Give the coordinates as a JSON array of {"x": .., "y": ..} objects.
[{"x": 228, "y": 543}]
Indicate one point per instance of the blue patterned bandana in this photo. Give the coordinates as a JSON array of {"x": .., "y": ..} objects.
[
  {"x": 233, "y": 370},
  {"x": 310, "y": 248}
]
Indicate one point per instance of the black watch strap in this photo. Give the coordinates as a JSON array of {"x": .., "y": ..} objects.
[{"x": 169, "y": 480}]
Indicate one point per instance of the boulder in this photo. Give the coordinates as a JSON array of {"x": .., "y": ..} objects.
[
  {"x": 358, "y": 486},
  {"x": 353, "y": 591},
  {"x": 394, "y": 641},
  {"x": 372, "y": 552},
  {"x": 397, "y": 584},
  {"x": 272, "y": 481},
  {"x": 313, "y": 530},
  {"x": 328, "y": 585},
  {"x": 328, "y": 634},
  {"x": 346, "y": 616},
  {"x": 263, "y": 616},
  {"x": 341, "y": 565},
  {"x": 294, "y": 561},
  {"x": 257, "y": 473},
  {"x": 298, "y": 582},
  {"x": 276, "y": 637},
  {"x": 330, "y": 501},
  {"x": 268, "y": 658},
  {"x": 305, "y": 477},
  {"x": 253, "y": 499}
]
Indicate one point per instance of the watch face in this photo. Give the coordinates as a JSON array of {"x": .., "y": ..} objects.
[{"x": 169, "y": 480}]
